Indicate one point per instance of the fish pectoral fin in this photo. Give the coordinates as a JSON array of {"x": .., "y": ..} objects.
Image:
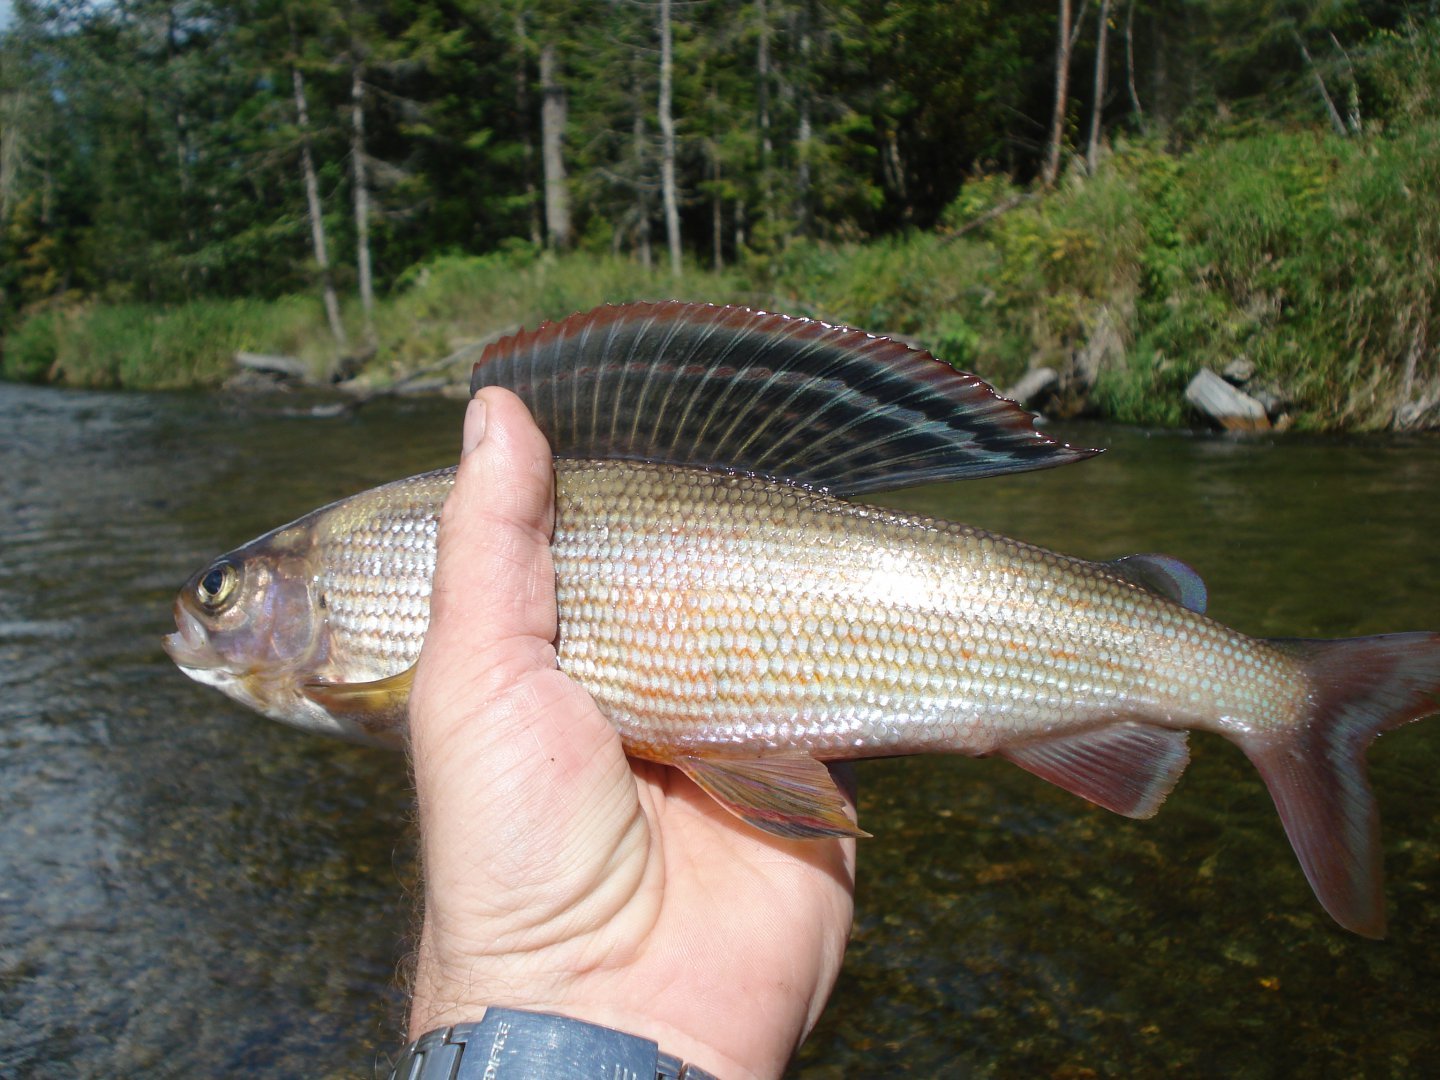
[
  {"x": 1126, "y": 767},
  {"x": 790, "y": 795},
  {"x": 1165, "y": 576},
  {"x": 378, "y": 706}
]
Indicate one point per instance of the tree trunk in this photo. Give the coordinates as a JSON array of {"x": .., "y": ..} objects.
[
  {"x": 317, "y": 221},
  {"x": 1330, "y": 110},
  {"x": 1051, "y": 169},
  {"x": 893, "y": 163},
  {"x": 1130, "y": 67},
  {"x": 553, "y": 110},
  {"x": 803, "y": 136},
  {"x": 639, "y": 147},
  {"x": 12, "y": 107},
  {"x": 1102, "y": 35},
  {"x": 1352, "y": 104},
  {"x": 762, "y": 95},
  {"x": 362, "y": 194},
  {"x": 182, "y": 149},
  {"x": 667, "y": 142},
  {"x": 717, "y": 212},
  {"x": 527, "y": 142}
]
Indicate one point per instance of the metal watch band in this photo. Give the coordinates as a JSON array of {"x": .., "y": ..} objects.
[{"x": 513, "y": 1044}]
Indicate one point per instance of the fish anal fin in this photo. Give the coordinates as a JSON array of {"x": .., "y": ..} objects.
[
  {"x": 1165, "y": 575},
  {"x": 789, "y": 794},
  {"x": 377, "y": 706},
  {"x": 1315, "y": 768},
  {"x": 1126, "y": 767}
]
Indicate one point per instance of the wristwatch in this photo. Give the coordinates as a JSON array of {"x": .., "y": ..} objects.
[{"x": 513, "y": 1044}]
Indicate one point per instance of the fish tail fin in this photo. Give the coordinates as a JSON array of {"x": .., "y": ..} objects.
[{"x": 1315, "y": 770}]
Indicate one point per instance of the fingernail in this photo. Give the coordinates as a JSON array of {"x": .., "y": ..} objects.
[{"x": 474, "y": 431}]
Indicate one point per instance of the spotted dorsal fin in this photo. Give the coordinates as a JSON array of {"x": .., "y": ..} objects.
[{"x": 789, "y": 398}]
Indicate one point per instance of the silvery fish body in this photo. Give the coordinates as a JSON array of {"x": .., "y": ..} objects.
[
  {"x": 708, "y": 610},
  {"x": 746, "y": 624}
]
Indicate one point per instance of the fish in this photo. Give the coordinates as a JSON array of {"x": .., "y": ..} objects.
[{"x": 739, "y": 614}]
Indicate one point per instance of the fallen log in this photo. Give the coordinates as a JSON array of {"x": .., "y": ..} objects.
[
  {"x": 290, "y": 367},
  {"x": 424, "y": 380},
  {"x": 1033, "y": 386},
  {"x": 1231, "y": 408}
]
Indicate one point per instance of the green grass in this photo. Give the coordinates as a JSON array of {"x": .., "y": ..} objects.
[{"x": 143, "y": 345}]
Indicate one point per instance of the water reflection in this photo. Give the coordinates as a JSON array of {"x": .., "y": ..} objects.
[{"x": 220, "y": 895}]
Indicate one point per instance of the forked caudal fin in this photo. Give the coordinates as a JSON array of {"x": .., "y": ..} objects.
[{"x": 1315, "y": 770}]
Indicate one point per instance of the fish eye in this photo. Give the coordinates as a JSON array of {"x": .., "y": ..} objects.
[{"x": 217, "y": 587}]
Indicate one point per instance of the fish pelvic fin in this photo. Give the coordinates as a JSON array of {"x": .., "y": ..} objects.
[
  {"x": 379, "y": 706},
  {"x": 1126, "y": 767},
  {"x": 788, "y": 794},
  {"x": 1360, "y": 688}
]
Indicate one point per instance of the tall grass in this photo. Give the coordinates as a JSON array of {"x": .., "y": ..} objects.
[{"x": 143, "y": 345}]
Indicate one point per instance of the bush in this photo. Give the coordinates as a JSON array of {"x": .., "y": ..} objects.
[{"x": 1313, "y": 256}]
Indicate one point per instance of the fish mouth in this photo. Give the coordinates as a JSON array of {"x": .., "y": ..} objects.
[{"x": 189, "y": 645}]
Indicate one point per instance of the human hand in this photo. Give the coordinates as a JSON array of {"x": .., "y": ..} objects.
[{"x": 559, "y": 875}]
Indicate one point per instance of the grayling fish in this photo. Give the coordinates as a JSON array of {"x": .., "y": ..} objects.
[{"x": 738, "y": 619}]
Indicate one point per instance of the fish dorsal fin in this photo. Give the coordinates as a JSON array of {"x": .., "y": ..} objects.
[
  {"x": 1125, "y": 767},
  {"x": 1165, "y": 575},
  {"x": 789, "y": 398}
]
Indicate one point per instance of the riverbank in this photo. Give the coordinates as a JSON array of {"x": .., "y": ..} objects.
[{"x": 1308, "y": 261}]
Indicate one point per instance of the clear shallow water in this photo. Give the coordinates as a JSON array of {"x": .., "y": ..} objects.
[{"x": 186, "y": 889}]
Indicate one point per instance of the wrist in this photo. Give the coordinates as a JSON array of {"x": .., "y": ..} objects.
[
  {"x": 455, "y": 989},
  {"x": 427, "y": 1017},
  {"x": 514, "y": 1044},
  {"x": 737, "y": 1028}
]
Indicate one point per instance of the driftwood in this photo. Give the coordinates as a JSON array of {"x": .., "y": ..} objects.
[
  {"x": 290, "y": 367},
  {"x": 1231, "y": 408},
  {"x": 423, "y": 380}
]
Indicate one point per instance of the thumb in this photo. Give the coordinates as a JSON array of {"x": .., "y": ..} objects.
[
  {"x": 492, "y": 597},
  {"x": 498, "y": 733},
  {"x": 494, "y": 583}
]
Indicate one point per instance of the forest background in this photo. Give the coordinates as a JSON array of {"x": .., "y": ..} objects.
[{"x": 1120, "y": 191}]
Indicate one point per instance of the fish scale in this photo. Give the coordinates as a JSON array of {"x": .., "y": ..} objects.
[
  {"x": 376, "y": 558},
  {"x": 705, "y": 609}
]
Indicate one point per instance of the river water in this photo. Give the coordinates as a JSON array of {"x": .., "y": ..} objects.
[{"x": 189, "y": 890}]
